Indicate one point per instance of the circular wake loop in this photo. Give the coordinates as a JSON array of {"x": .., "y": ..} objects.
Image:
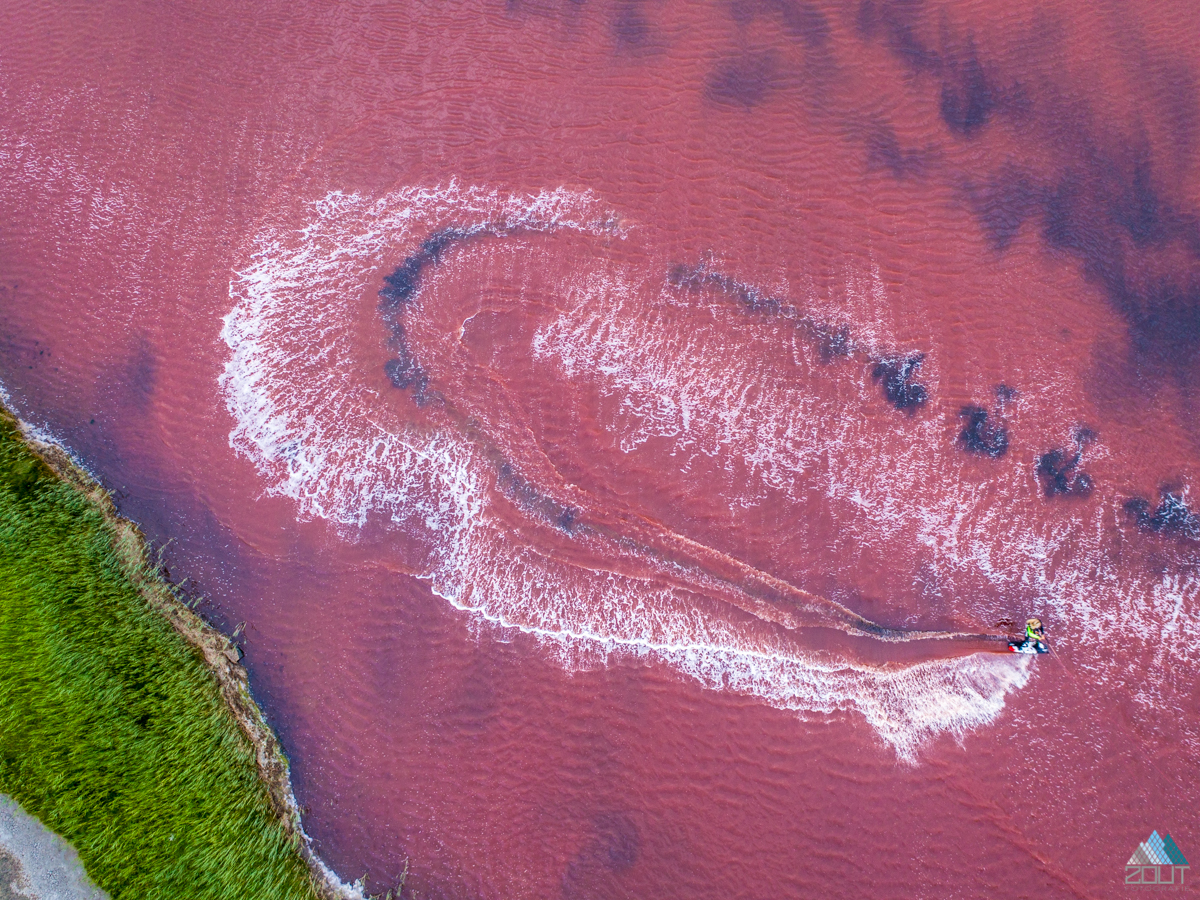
[{"x": 317, "y": 423}]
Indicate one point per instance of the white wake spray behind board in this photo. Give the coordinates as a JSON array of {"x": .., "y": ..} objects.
[
  {"x": 306, "y": 416},
  {"x": 915, "y": 493}
]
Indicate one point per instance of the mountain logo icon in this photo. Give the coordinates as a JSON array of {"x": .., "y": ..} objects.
[{"x": 1157, "y": 860}]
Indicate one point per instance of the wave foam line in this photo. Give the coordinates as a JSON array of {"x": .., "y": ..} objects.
[
  {"x": 657, "y": 379},
  {"x": 907, "y": 707},
  {"x": 308, "y": 419}
]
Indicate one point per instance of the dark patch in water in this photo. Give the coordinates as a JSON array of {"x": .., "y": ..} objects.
[
  {"x": 1060, "y": 476},
  {"x": 400, "y": 287},
  {"x": 1140, "y": 249},
  {"x": 1006, "y": 394},
  {"x": 803, "y": 20},
  {"x": 745, "y": 81},
  {"x": 140, "y": 377},
  {"x": 800, "y": 20},
  {"x": 895, "y": 24},
  {"x": 982, "y": 434},
  {"x": 970, "y": 94},
  {"x": 1003, "y": 205},
  {"x": 532, "y": 500},
  {"x": 1104, "y": 193},
  {"x": 618, "y": 840},
  {"x": 399, "y": 290},
  {"x": 1058, "y": 470},
  {"x": 630, "y": 26},
  {"x": 697, "y": 278},
  {"x": 472, "y": 705},
  {"x": 613, "y": 848},
  {"x": 832, "y": 341},
  {"x": 404, "y": 372},
  {"x": 967, "y": 98},
  {"x": 1171, "y": 517},
  {"x": 884, "y": 152},
  {"x": 897, "y": 374}
]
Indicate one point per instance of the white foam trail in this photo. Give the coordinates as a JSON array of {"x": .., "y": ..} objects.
[
  {"x": 890, "y": 493},
  {"x": 305, "y": 414}
]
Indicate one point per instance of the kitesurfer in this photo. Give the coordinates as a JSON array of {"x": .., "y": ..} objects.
[
  {"x": 1034, "y": 640},
  {"x": 1035, "y": 635},
  {"x": 1034, "y": 631}
]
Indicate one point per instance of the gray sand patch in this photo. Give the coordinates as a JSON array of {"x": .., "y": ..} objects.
[{"x": 36, "y": 864}]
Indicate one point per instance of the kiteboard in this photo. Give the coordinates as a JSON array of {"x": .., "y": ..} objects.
[{"x": 1028, "y": 647}]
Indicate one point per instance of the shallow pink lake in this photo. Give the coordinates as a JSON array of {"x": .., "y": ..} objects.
[{"x": 582, "y": 408}]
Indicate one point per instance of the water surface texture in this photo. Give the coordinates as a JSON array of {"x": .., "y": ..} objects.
[{"x": 618, "y": 428}]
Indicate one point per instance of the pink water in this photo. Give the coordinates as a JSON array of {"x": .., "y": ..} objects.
[{"x": 583, "y": 607}]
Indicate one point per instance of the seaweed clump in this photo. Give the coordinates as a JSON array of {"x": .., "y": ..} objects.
[
  {"x": 832, "y": 341},
  {"x": 1060, "y": 474},
  {"x": 1006, "y": 394},
  {"x": 1171, "y": 517},
  {"x": 981, "y": 434},
  {"x": 398, "y": 291},
  {"x": 699, "y": 277},
  {"x": 400, "y": 287},
  {"x": 404, "y": 372},
  {"x": 897, "y": 374},
  {"x": 526, "y": 495}
]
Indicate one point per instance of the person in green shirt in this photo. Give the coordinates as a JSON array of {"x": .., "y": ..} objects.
[{"x": 1034, "y": 631}]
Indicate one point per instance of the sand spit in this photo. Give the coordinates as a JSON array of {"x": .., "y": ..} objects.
[
  {"x": 221, "y": 657},
  {"x": 37, "y": 864}
]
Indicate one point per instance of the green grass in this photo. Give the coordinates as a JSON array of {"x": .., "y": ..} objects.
[{"x": 112, "y": 732}]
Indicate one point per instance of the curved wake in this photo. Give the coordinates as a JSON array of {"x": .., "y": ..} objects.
[{"x": 314, "y": 412}]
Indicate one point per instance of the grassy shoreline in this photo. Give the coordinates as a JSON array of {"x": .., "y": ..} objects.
[{"x": 126, "y": 722}]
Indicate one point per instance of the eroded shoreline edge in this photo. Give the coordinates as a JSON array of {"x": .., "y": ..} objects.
[{"x": 220, "y": 655}]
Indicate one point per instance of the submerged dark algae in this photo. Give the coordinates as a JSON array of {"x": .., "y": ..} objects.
[
  {"x": 981, "y": 434},
  {"x": 898, "y": 376},
  {"x": 1172, "y": 517}
]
